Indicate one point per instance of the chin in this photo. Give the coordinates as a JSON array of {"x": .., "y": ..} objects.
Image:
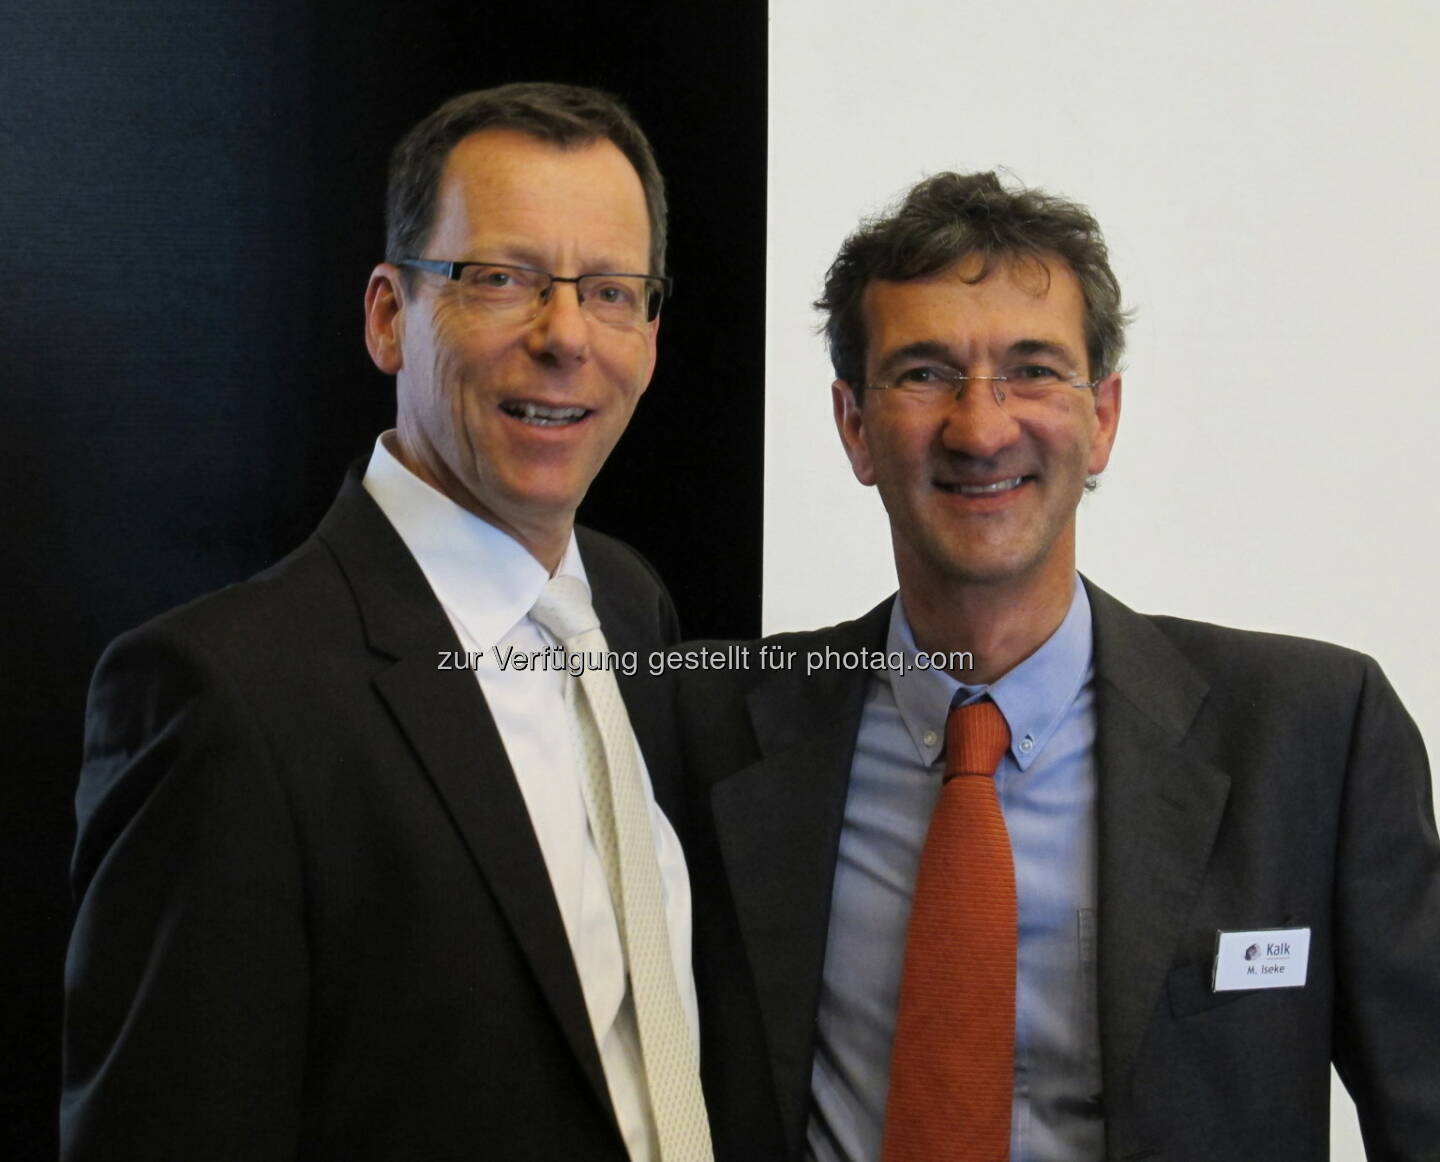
[
  {"x": 987, "y": 567},
  {"x": 546, "y": 499}
]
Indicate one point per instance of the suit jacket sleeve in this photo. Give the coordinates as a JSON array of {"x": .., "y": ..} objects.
[
  {"x": 1387, "y": 932},
  {"x": 187, "y": 973}
]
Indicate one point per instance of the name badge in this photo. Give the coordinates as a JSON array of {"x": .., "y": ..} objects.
[{"x": 1273, "y": 958}]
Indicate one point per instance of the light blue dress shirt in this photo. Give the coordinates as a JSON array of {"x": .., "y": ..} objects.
[{"x": 1046, "y": 785}]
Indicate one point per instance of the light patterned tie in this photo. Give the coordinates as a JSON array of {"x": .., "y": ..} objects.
[
  {"x": 620, "y": 815},
  {"x": 952, "y": 1069}
]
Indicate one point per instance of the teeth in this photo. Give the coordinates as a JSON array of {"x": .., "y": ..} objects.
[
  {"x": 540, "y": 414},
  {"x": 984, "y": 489}
]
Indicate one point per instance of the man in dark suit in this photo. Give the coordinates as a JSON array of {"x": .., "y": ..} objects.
[
  {"x": 1004, "y": 869},
  {"x": 343, "y": 877}
]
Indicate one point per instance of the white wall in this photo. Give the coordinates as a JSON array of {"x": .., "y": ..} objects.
[{"x": 1268, "y": 180}]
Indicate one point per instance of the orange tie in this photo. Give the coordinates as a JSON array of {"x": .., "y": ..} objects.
[{"x": 952, "y": 1071}]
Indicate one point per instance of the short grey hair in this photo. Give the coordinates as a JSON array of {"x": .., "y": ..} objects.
[{"x": 949, "y": 216}]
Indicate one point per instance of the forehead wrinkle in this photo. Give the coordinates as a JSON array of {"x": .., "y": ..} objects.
[
  {"x": 1041, "y": 347},
  {"x": 1010, "y": 308},
  {"x": 530, "y": 203},
  {"x": 920, "y": 349},
  {"x": 507, "y": 246}
]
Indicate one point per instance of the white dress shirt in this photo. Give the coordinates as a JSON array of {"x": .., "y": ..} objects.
[{"x": 486, "y": 581}]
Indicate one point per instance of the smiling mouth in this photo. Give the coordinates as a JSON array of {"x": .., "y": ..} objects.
[
  {"x": 998, "y": 486},
  {"x": 543, "y": 415}
]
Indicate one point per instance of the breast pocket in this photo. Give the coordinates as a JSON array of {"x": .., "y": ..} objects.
[{"x": 1191, "y": 990}]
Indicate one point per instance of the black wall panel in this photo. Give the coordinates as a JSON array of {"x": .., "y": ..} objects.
[{"x": 190, "y": 203}]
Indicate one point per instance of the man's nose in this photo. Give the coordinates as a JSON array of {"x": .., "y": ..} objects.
[
  {"x": 977, "y": 422},
  {"x": 561, "y": 329}
]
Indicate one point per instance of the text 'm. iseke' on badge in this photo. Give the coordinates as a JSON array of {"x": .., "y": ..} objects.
[{"x": 1274, "y": 958}]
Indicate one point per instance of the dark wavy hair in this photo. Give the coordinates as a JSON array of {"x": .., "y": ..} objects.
[
  {"x": 567, "y": 116},
  {"x": 950, "y": 216}
]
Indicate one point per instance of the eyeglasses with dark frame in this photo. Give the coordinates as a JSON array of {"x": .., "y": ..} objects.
[
  {"x": 1031, "y": 382},
  {"x": 621, "y": 300}
]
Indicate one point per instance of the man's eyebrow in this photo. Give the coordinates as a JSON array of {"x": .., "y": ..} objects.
[
  {"x": 1042, "y": 347},
  {"x": 921, "y": 349},
  {"x": 934, "y": 349},
  {"x": 506, "y": 252}
]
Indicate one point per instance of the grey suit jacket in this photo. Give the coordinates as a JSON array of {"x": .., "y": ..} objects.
[
  {"x": 313, "y": 918},
  {"x": 1246, "y": 781}
]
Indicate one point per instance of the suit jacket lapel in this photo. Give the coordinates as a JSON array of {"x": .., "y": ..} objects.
[
  {"x": 1159, "y": 810},
  {"x": 445, "y": 717},
  {"x": 778, "y": 825}
]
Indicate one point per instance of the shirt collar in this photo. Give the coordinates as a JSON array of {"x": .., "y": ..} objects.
[
  {"x": 1034, "y": 697},
  {"x": 485, "y": 578}
]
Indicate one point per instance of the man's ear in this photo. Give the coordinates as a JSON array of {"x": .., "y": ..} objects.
[
  {"x": 1107, "y": 412},
  {"x": 384, "y": 317},
  {"x": 850, "y": 422}
]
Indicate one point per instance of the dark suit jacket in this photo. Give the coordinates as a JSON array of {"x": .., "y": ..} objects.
[
  {"x": 1246, "y": 781},
  {"x": 314, "y": 921}
]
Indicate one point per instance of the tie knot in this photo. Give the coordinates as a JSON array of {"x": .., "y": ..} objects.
[
  {"x": 564, "y": 608},
  {"x": 976, "y": 737}
]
